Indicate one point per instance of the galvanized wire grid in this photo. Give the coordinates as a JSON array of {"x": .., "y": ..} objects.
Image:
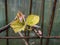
[{"x": 27, "y": 37}]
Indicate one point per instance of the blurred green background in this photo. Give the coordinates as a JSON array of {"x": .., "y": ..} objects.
[{"x": 23, "y": 5}]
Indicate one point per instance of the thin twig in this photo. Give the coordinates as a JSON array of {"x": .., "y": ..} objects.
[
  {"x": 4, "y": 28},
  {"x": 38, "y": 33},
  {"x": 23, "y": 39}
]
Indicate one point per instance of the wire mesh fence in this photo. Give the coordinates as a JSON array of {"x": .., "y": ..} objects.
[{"x": 27, "y": 37}]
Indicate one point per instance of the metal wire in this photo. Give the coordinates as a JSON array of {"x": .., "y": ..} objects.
[
  {"x": 27, "y": 37},
  {"x": 6, "y": 14},
  {"x": 39, "y": 36},
  {"x": 42, "y": 23},
  {"x": 51, "y": 21}
]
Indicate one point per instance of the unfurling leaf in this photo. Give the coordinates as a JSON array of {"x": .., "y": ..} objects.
[
  {"x": 18, "y": 24},
  {"x": 32, "y": 20}
]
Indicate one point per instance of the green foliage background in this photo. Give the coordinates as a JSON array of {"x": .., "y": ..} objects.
[{"x": 23, "y": 5}]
